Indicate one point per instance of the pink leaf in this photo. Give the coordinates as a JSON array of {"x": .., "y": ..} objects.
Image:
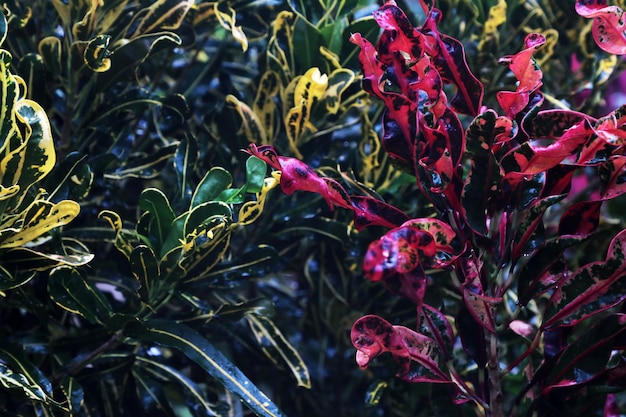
[{"x": 609, "y": 28}]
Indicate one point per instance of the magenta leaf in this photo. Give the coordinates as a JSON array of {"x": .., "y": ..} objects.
[
  {"x": 527, "y": 73},
  {"x": 609, "y": 27},
  {"x": 533, "y": 159},
  {"x": 591, "y": 289},
  {"x": 417, "y": 355}
]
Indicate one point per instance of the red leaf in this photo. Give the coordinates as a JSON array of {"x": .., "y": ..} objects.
[
  {"x": 373, "y": 336},
  {"x": 526, "y": 71},
  {"x": 448, "y": 56},
  {"x": 532, "y": 159},
  {"x": 609, "y": 28}
]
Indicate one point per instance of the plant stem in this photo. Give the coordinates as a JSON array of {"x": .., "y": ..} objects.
[{"x": 495, "y": 378}]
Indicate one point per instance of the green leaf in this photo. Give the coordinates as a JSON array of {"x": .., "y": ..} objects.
[
  {"x": 74, "y": 395},
  {"x": 306, "y": 44},
  {"x": 71, "y": 291},
  {"x": 17, "y": 371},
  {"x": 50, "y": 51},
  {"x": 162, "y": 15},
  {"x": 70, "y": 179},
  {"x": 184, "y": 163},
  {"x": 200, "y": 350},
  {"x": 154, "y": 202},
  {"x": 278, "y": 349},
  {"x": 168, "y": 373},
  {"x": 145, "y": 268},
  {"x": 144, "y": 165},
  {"x": 97, "y": 54},
  {"x": 256, "y": 169},
  {"x": 151, "y": 394},
  {"x": 211, "y": 186},
  {"x": 9, "y": 280}
]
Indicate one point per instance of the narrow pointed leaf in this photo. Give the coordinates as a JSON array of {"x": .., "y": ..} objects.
[{"x": 200, "y": 350}]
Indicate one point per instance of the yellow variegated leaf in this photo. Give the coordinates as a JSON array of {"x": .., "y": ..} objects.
[
  {"x": 87, "y": 25},
  {"x": 275, "y": 346},
  {"x": 338, "y": 81},
  {"x": 203, "y": 12},
  {"x": 121, "y": 241},
  {"x": 50, "y": 50},
  {"x": 251, "y": 126},
  {"x": 8, "y": 192},
  {"x": 227, "y": 20},
  {"x": 96, "y": 54},
  {"x": 265, "y": 105},
  {"x": 251, "y": 210},
  {"x": 63, "y": 10},
  {"x": 163, "y": 15},
  {"x": 40, "y": 218},
  {"x": 282, "y": 33},
  {"x": 110, "y": 15},
  {"x": 331, "y": 57},
  {"x": 295, "y": 122},
  {"x": 497, "y": 16},
  {"x": 33, "y": 156},
  {"x": 606, "y": 67},
  {"x": 310, "y": 87}
]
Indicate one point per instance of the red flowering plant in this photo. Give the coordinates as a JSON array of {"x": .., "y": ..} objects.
[{"x": 508, "y": 230}]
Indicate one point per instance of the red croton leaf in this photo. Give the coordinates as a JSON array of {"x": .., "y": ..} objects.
[
  {"x": 609, "y": 26},
  {"x": 416, "y": 354},
  {"x": 401, "y": 250},
  {"x": 528, "y": 75}
]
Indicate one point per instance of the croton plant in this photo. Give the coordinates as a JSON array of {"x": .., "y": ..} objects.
[{"x": 517, "y": 189}]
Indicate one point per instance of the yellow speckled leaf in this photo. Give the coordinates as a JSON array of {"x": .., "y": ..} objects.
[
  {"x": 39, "y": 218},
  {"x": 163, "y": 15},
  {"x": 251, "y": 210},
  {"x": 96, "y": 54},
  {"x": 50, "y": 50},
  {"x": 497, "y": 16},
  {"x": 250, "y": 123},
  {"x": 227, "y": 20},
  {"x": 338, "y": 81},
  {"x": 264, "y": 103}
]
